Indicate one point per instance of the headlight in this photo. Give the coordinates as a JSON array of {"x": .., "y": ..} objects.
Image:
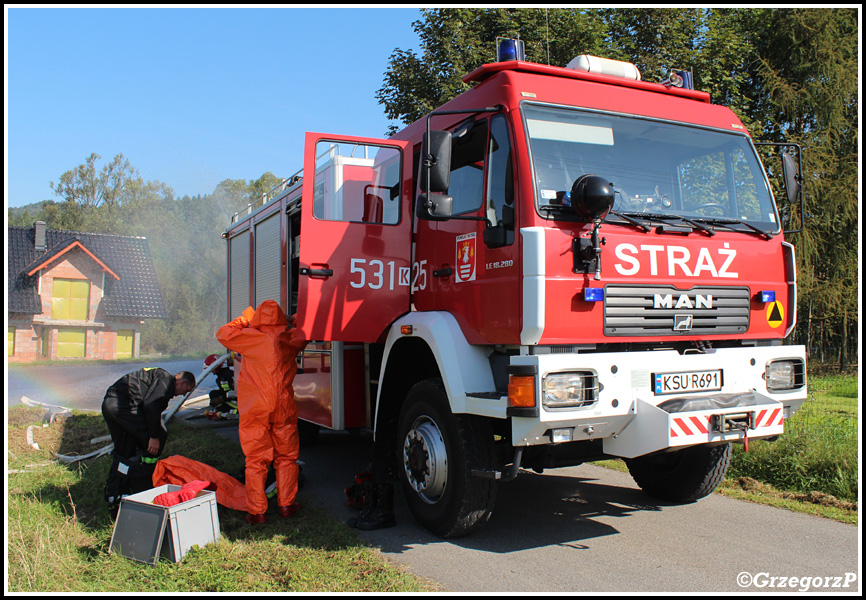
[
  {"x": 785, "y": 375},
  {"x": 570, "y": 390}
]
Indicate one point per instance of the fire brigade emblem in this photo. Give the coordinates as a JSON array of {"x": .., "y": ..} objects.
[{"x": 465, "y": 270}]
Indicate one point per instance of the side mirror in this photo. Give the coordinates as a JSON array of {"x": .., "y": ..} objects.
[
  {"x": 592, "y": 197},
  {"x": 436, "y": 161},
  {"x": 791, "y": 174},
  {"x": 435, "y": 207}
]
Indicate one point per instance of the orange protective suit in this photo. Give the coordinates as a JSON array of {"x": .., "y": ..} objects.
[
  {"x": 179, "y": 470},
  {"x": 268, "y": 426}
]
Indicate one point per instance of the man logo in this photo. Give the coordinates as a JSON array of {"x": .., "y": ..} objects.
[
  {"x": 682, "y": 322},
  {"x": 684, "y": 301}
]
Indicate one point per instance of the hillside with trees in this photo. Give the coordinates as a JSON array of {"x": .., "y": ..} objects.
[{"x": 184, "y": 236}]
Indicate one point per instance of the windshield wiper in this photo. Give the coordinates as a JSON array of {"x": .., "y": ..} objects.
[
  {"x": 634, "y": 222},
  {"x": 666, "y": 217},
  {"x": 728, "y": 222}
]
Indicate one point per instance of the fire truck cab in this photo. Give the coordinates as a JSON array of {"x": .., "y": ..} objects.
[{"x": 559, "y": 265}]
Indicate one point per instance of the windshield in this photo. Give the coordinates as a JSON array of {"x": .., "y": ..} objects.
[{"x": 657, "y": 168}]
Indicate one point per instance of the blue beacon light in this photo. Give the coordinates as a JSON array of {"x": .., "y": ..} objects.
[{"x": 509, "y": 49}]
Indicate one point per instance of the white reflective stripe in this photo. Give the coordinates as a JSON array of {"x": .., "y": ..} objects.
[
  {"x": 533, "y": 285},
  {"x": 791, "y": 277}
]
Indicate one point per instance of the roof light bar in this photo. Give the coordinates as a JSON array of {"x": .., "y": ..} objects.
[{"x": 604, "y": 66}]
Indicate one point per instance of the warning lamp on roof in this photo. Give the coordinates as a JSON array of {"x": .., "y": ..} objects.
[
  {"x": 680, "y": 79},
  {"x": 604, "y": 66},
  {"x": 509, "y": 49}
]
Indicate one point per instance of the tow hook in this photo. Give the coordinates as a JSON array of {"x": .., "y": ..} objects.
[{"x": 734, "y": 422}]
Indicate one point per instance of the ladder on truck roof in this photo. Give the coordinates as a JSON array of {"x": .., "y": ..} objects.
[
  {"x": 285, "y": 184},
  {"x": 288, "y": 184}
]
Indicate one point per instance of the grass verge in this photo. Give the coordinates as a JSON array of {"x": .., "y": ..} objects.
[{"x": 59, "y": 531}]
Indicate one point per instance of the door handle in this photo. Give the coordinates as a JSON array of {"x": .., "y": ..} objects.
[
  {"x": 316, "y": 272},
  {"x": 444, "y": 272}
]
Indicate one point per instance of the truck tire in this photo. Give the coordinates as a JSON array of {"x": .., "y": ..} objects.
[
  {"x": 681, "y": 476},
  {"x": 437, "y": 451}
]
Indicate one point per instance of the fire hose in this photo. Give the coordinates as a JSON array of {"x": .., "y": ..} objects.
[{"x": 53, "y": 411}]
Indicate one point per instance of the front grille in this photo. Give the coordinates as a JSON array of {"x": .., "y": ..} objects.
[{"x": 631, "y": 310}]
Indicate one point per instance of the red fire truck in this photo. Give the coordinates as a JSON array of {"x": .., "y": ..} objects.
[{"x": 557, "y": 266}]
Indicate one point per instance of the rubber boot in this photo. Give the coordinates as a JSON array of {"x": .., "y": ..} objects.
[
  {"x": 256, "y": 519},
  {"x": 366, "y": 497},
  {"x": 381, "y": 513},
  {"x": 290, "y": 510}
]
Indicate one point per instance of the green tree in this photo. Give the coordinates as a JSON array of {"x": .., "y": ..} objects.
[
  {"x": 86, "y": 186},
  {"x": 654, "y": 39},
  {"x": 264, "y": 184},
  {"x": 456, "y": 41},
  {"x": 807, "y": 71}
]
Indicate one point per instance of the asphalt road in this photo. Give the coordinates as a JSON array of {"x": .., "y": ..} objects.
[
  {"x": 589, "y": 529},
  {"x": 578, "y": 529}
]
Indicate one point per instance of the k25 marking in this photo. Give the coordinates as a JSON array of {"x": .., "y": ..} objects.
[{"x": 378, "y": 273}]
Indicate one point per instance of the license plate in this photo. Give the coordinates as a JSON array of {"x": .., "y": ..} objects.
[{"x": 687, "y": 381}]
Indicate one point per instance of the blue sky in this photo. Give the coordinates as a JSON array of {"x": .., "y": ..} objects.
[{"x": 190, "y": 96}]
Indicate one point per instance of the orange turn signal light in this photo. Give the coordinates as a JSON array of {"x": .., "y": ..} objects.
[
  {"x": 406, "y": 329},
  {"x": 521, "y": 391}
]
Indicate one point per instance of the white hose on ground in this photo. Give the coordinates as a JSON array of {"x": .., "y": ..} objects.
[{"x": 66, "y": 458}]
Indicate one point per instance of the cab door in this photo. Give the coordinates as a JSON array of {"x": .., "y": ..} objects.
[
  {"x": 477, "y": 277},
  {"x": 355, "y": 237}
]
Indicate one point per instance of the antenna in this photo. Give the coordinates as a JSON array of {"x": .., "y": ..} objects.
[{"x": 547, "y": 32}]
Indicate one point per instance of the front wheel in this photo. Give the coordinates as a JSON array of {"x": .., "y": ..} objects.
[
  {"x": 437, "y": 451},
  {"x": 681, "y": 476}
]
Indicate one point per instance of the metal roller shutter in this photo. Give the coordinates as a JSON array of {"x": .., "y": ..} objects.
[
  {"x": 239, "y": 247},
  {"x": 268, "y": 260}
]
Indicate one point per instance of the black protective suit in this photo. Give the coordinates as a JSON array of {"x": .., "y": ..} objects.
[{"x": 132, "y": 409}]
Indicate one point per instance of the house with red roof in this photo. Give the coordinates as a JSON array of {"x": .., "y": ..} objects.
[{"x": 76, "y": 295}]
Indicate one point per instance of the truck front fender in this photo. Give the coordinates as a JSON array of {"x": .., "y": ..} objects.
[{"x": 465, "y": 369}]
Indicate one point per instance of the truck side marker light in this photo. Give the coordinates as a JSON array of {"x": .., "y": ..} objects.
[
  {"x": 406, "y": 329},
  {"x": 593, "y": 294},
  {"x": 521, "y": 391}
]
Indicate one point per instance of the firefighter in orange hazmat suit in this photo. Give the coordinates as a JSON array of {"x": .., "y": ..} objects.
[{"x": 268, "y": 427}]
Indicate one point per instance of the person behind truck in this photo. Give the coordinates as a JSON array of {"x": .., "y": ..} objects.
[
  {"x": 132, "y": 410},
  {"x": 223, "y": 400},
  {"x": 268, "y": 426}
]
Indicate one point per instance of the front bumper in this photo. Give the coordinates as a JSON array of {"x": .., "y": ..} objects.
[{"x": 633, "y": 420}]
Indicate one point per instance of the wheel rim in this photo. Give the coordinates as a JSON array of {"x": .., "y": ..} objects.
[{"x": 425, "y": 460}]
